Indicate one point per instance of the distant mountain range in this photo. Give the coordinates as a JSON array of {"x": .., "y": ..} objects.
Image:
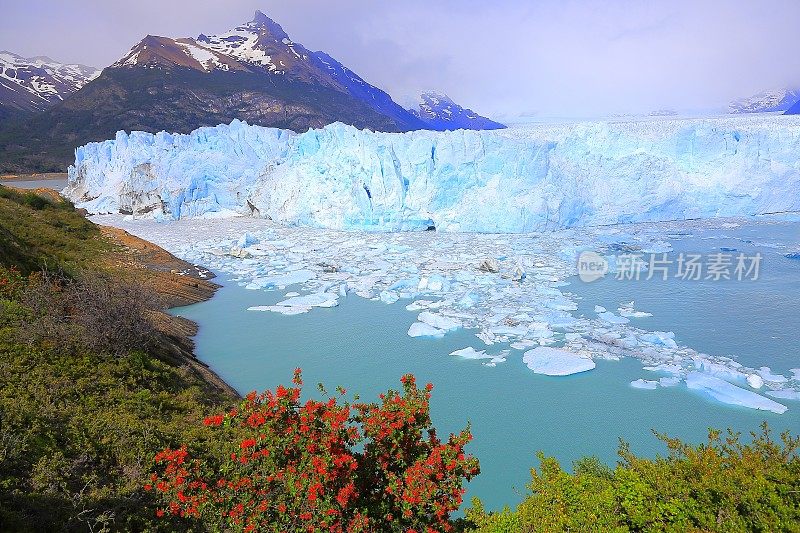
[
  {"x": 29, "y": 84},
  {"x": 439, "y": 112},
  {"x": 774, "y": 100},
  {"x": 254, "y": 72}
]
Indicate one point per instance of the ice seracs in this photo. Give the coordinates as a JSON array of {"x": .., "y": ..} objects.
[{"x": 339, "y": 177}]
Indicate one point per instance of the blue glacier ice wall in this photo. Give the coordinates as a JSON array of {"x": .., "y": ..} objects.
[{"x": 520, "y": 180}]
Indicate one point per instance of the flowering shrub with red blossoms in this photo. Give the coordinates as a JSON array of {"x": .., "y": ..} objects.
[{"x": 321, "y": 466}]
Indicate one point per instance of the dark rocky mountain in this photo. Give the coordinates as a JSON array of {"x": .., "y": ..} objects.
[
  {"x": 32, "y": 84},
  {"x": 254, "y": 72},
  {"x": 439, "y": 112}
]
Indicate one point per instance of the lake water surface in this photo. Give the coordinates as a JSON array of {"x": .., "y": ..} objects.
[{"x": 363, "y": 346}]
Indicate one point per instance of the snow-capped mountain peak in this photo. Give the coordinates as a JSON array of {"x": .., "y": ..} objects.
[
  {"x": 36, "y": 83},
  {"x": 779, "y": 99},
  {"x": 440, "y": 112}
]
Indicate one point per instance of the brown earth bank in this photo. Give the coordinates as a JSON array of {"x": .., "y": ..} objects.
[
  {"x": 33, "y": 177},
  {"x": 177, "y": 283}
]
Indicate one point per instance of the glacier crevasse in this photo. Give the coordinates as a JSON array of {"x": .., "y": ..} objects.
[{"x": 483, "y": 181}]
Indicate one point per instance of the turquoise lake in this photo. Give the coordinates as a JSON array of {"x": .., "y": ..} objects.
[{"x": 363, "y": 346}]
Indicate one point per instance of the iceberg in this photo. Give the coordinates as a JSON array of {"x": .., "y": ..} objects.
[
  {"x": 438, "y": 321},
  {"x": 298, "y": 305},
  {"x": 420, "y": 329},
  {"x": 645, "y": 384},
  {"x": 556, "y": 362},
  {"x": 725, "y": 392},
  {"x": 515, "y": 181}
]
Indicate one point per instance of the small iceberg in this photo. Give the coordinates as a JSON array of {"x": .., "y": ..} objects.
[
  {"x": 438, "y": 321},
  {"x": 556, "y": 362},
  {"x": 420, "y": 329},
  {"x": 472, "y": 353},
  {"x": 298, "y": 305},
  {"x": 728, "y": 393},
  {"x": 645, "y": 384}
]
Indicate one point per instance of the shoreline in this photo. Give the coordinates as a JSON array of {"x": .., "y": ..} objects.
[
  {"x": 35, "y": 176},
  {"x": 179, "y": 283},
  {"x": 176, "y": 282}
]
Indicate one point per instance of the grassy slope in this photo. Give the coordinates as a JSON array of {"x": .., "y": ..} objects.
[{"x": 77, "y": 429}]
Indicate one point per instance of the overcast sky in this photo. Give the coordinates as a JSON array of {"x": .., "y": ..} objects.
[{"x": 502, "y": 58}]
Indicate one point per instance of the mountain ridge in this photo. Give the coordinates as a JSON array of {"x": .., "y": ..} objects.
[{"x": 31, "y": 84}]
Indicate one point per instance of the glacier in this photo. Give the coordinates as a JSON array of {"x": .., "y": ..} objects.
[{"x": 507, "y": 181}]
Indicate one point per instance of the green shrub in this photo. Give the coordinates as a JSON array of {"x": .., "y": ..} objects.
[{"x": 722, "y": 485}]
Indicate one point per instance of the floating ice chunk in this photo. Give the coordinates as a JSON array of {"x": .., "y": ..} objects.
[
  {"x": 611, "y": 318},
  {"x": 389, "y": 297},
  {"x": 628, "y": 310},
  {"x": 766, "y": 373},
  {"x": 719, "y": 370},
  {"x": 489, "y": 264},
  {"x": 645, "y": 384},
  {"x": 282, "y": 309},
  {"x": 599, "y": 309},
  {"x": 438, "y": 321},
  {"x": 785, "y": 394},
  {"x": 468, "y": 300},
  {"x": 291, "y": 294},
  {"x": 669, "y": 381},
  {"x": 486, "y": 336},
  {"x": 284, "y": 280},
  {"x": 556, "y": 362},
  {"x": 728, "y": 393},
  {"x": 420, "y": 329},
  {"x": 666, "y": 368},
  {"x": 239, "y": 253},
  {"x": 321, "y": 299},
  {"x": 755, "y": 381},
  {"x": 419, "y": 305},
  {"x": 659, "y": 338},
  {"x": 524, "y": 344},
  {"x": 471, "y": 353},
  {"x": 246, "y": 240},
  {"x": 437, "y": 283}
]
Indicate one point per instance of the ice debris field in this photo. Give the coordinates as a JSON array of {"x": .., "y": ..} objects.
[
  {"x": 532, "y": 179},
  {"x": 512, "y": 290},
  {"x": 327, "y": 214}
]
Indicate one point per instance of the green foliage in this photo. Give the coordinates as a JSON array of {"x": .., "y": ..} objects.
[
  {"x": 37, "y": 232},
  {"x": 722, "y": 485},
  {"x": 78, "y": 427}
]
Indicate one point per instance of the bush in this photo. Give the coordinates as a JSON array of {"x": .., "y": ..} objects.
[
  {"x": 723, "y": 485},
  {"x": 320, "y": 465},
  {"x": 90, "y": 313}
]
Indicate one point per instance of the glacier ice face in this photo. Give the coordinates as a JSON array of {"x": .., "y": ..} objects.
[{"x": 479, "y": 181}]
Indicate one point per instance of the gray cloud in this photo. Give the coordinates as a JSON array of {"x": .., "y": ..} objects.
[{"x": 552, "y": 57}]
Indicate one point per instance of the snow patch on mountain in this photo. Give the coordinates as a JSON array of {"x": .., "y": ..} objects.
[
  {"x": 768, "y": 101},
  {"x": 441, "y": 113},
  {"x": 36, "y": 83}
]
